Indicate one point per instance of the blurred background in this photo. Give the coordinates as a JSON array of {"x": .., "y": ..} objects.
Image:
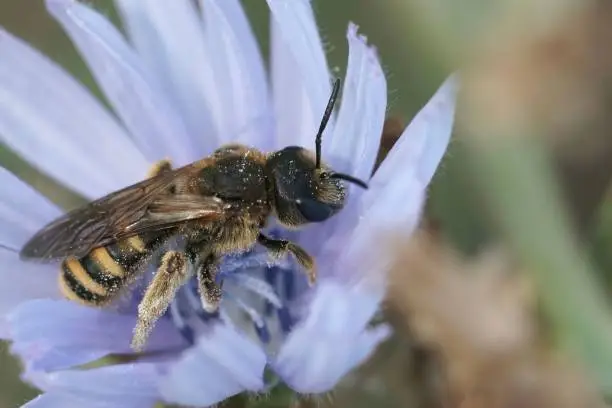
[{"x": 502, "y": 299}]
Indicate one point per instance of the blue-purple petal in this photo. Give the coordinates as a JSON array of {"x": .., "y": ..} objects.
[
  {"x": 46, "y": 357},
  {"x": 168, "y": 36},
  {"x": 137, "y": 97},
  {"x": 300, "y": 76},
  {"x": 394, "y": 201},
  {"x": 398, "y": 186},
  {"x": 43, "y": 110},
  {"x": 77, "y": 334},
  {"x": 133, "y": 385},
  {"x": 189, "y": 84},
  {"x": 332, "y": 339},
  {"x": 242, "y": 89},
  {"x": 22, "y": 212},
  {"x": 354, "y": 145},
  {"x": 221, "y": 364},
  {"x": 68, "y": 400},
  {"x": 423, "y": 143},
  {"x": 23, "y": 282}
]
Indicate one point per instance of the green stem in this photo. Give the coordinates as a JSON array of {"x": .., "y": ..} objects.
[{"x": 524, "y": 198}]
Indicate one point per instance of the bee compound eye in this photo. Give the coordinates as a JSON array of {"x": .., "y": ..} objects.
[{"x": 315, "y": 211}]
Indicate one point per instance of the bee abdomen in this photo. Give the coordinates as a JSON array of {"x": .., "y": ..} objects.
[
  {"x": 98, "y": 276},
  {"x": 77, "y": 284},
  {"x": 129, "y": 253}
]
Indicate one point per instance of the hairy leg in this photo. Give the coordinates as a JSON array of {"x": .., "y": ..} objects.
[
  {"x": 279, "y": 247},
  {"x": 210, "y": 291},
  {"x": 206, "y": 265},
  {"x": 170, "y": 276}
]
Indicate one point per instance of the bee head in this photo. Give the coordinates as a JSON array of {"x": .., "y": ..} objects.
[{"x": 304, "y": 189}]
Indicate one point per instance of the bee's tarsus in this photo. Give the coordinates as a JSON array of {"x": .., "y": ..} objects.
[{"x": 279, "y": 247}]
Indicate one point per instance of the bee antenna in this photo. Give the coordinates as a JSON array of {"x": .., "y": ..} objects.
[
  {"x": 348, "y": 178},
  {"x": 326, "y": 116}
]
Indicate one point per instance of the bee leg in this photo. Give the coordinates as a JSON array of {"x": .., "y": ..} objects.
[
  {"x": 171, "y": 274},
  {"x": 210, "y": 291},
  {"x": 206, "y": 264},
  {"x": 279, "y": 247}
]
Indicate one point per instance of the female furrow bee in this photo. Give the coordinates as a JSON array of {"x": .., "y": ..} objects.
[{"x": 218, "y": 205}]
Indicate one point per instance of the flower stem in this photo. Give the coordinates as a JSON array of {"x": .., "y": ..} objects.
[{"x": 518, "y": 182}]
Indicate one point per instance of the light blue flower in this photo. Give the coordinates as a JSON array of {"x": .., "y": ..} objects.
[{"x": 186, "y": 82}]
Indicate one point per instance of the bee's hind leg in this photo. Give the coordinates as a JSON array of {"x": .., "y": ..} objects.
[
  {"x": 170, "y": 276},
  {"x": 279, "y": 247}
]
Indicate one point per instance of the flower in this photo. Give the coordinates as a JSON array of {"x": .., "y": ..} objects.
[{"x": 188, "y": 81}]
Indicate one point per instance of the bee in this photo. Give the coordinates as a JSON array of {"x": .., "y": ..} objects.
[{"x": 217, "y": 205}]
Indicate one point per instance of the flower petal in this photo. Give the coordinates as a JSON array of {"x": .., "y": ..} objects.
[
  {"x": 138, "y": 99},
  {"x": 393, "y": 201},
  {"x": 23, "y": 281},
  {"x": 291, "y": 109},
  {"x": 22, "y": 212},
  {"x": 423, "y": 143},
  {"x": 300, "y": 77},
  {"x": 124, "y": 385},
  {"x": 222, "y": 363},
  {"x": 416, "y": 155},
  {"x": 331, "y": 340},
  {"x": 67, "y": 400},
  {"x": 44, "y": 111},
  {"x": 76, "y": 334},
  {"x": 242, "y": 89},
  {"x": 168, "y": 36},
  {"x": 354, "y": 145}
]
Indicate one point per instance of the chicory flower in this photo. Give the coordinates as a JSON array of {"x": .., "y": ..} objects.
[{"x": 184, "y": 82}]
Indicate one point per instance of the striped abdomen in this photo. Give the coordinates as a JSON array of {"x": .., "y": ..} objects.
[{"x": 96, "y": 278}]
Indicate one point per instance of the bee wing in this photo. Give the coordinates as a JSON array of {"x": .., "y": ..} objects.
[
  {"x": 143, "y": 206},
  {"x": 174, "y": 210}
]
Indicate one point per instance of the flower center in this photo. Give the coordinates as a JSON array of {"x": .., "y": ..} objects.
[{"x": 257, "y": 296}]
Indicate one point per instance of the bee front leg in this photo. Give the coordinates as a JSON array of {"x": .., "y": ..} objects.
[
  {"x": 170, "y": 276},
  {"x": 279, "y": 247}
]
